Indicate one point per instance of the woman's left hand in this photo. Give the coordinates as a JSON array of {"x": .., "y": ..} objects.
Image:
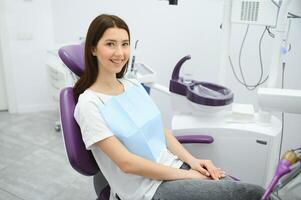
[{"x": 207, "y": 168}]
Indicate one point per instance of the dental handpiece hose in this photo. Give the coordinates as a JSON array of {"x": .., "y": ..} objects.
[
  {"x": 134, "y": 57},
  {"x": 296, "y": 170},
  {"x": 288, "y": 159},
  {"x": 133, "y": 62}
]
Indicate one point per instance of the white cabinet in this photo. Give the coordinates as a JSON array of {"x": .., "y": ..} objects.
[
  {"x": 247, "y": 151},
  {"x": 59, "y": 77}
]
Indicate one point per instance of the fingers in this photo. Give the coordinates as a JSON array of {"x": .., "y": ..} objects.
[
  {"x": 207, "y": 168},
  {"x": 201, "y": 170},
  {"x": 213, "y": 171},
  {"x": 204, "y": 171},
  {"x": 219, "y": 173},
  {"x": 216, "y": 173},
  {"x": 222, "y": 173}
]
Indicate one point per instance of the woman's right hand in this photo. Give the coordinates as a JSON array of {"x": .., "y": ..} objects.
[{"x": 193, "y": 174}]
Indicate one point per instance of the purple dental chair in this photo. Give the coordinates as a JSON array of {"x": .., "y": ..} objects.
[{"x": 81, "y": 159}]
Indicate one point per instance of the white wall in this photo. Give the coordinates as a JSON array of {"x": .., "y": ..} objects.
[
  {"x": 3, "y": 96},
  {"x": 166, "y": 33},
  {"x": 7, "y": 76},
  {"x": 27, "y": 33}
]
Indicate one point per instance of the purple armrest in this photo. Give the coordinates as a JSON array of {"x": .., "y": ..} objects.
[{"x": 195, "y": 139}]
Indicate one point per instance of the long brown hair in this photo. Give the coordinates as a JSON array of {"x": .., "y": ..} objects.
[{"x": 96, "y": 30}]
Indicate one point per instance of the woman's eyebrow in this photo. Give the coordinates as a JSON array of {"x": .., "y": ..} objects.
[{"x": 112, "y": 40}]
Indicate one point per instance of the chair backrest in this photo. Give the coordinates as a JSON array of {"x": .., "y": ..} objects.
[{"x": 80, "y": 159}]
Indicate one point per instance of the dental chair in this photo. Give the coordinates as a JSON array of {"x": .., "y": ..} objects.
[{"x": 81, "y": 159}]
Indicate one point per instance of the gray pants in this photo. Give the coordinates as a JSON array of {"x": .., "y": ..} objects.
[{"x": 199, "y": 189}]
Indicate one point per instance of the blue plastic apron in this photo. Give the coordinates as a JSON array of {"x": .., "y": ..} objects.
[{"x": 136, "y": 121}]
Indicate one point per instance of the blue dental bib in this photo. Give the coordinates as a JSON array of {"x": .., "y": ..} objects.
[{"x": 136, "y": 121}]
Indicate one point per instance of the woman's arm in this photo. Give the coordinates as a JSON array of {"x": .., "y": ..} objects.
[
  {"x": 205, "y": 167},
  {"x": 177, "y": 148},
  {"x": 133, "y": 164}
]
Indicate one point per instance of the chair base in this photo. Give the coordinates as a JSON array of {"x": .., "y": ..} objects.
[
  {"x": 100, "y": 186},
  {"x": 105, "y": 193}
]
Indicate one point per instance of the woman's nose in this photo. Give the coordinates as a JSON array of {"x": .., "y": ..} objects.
[{"x": 118, "y": 50}]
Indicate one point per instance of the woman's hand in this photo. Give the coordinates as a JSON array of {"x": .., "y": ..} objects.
[
  {"x": 193, "y": 174},
  {"x": 207, "y": 168}
]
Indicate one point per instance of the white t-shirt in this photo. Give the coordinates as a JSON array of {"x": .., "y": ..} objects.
[{"x": 94, "y": 129}]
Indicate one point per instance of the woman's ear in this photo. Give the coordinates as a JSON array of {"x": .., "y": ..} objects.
[{"x": 93, "y": 51}]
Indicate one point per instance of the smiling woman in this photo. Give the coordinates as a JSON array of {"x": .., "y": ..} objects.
[
  {"x": 112, "y": 52},
  {"x": 123, "y": 128},
  {"x": 106, "y": 54}
]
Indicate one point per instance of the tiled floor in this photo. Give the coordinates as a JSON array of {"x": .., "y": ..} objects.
[{"x": 33, "y": 164}]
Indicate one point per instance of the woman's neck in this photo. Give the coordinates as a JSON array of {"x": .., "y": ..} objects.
[
  {"x": 107, "y": 83},
  {"x": 106, "y": 78}
]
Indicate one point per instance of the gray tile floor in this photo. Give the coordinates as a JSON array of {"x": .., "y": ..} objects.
[{"x": 33, "y": 164}]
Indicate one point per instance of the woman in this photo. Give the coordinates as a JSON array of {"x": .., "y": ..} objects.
[{"x": 122, "y": 126}]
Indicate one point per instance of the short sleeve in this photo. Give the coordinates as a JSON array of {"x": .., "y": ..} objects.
[{"x": 92, "y": 125}]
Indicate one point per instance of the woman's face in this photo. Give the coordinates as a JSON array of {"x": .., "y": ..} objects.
[{"x": 112, "y": 50}]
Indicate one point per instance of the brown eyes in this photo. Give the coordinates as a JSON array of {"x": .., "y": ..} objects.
[{"x": 112, "y": 44}]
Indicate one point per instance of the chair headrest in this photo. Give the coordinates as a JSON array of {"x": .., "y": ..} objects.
[{"x": 73, "y": 57}]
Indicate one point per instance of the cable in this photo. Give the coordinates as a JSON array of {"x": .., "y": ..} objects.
[
  {"x": 297, "y": 149},
  {"x": 272, "y": 35},
  {"x": 240, "y": 52},
  {"x": 276, "y": 195},
  {"x": 282, "y": 128},
  {"x": 134, "y": 57},
  {"x": 243, "y": 81},
  {"x": 291, "y": 15},
  {"x": 260, "y": 57},
  {"x": 282, "y": 113}
]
